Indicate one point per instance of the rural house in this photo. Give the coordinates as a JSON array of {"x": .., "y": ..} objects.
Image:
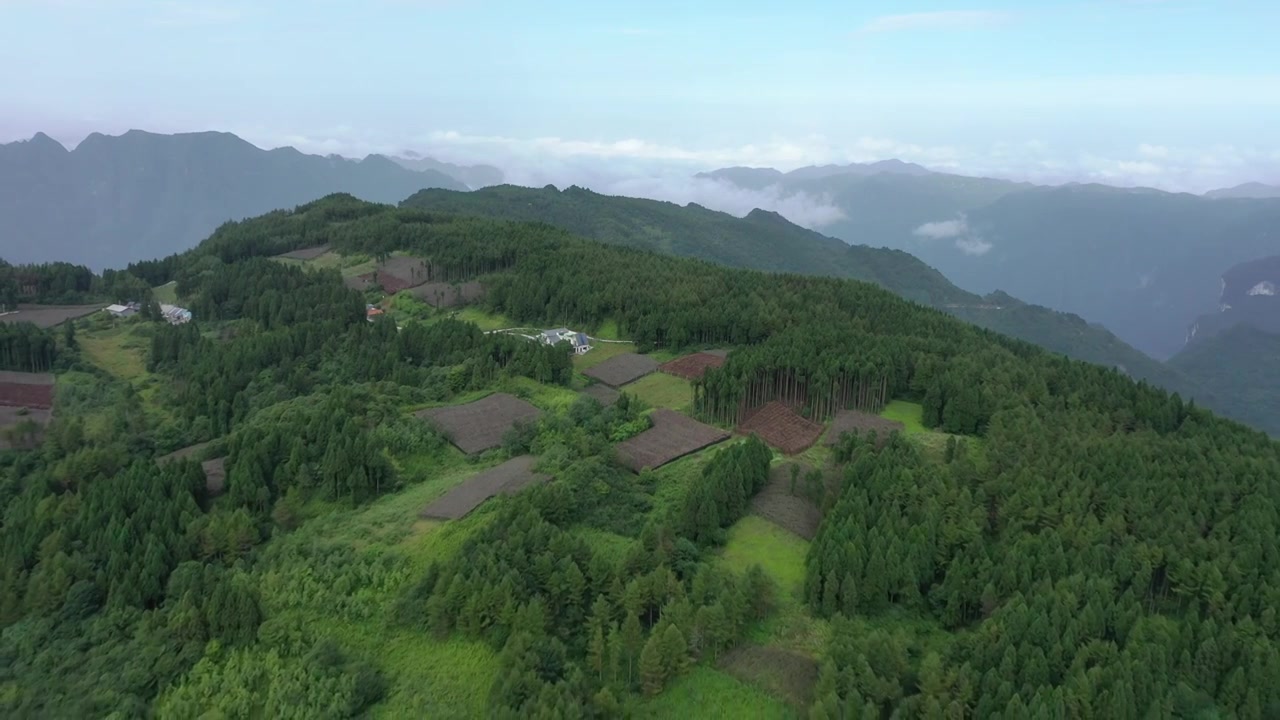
[
  {"x": 174, "y": 314},
  {"x": 372, "y": 311},
  {"x": 579, "y": 341},
  {"x": 122, "y": 311}
]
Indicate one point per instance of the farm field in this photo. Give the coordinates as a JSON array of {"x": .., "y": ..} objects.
[
  {"x": 780, "y": 553},
  {"x": 600, "y": 352},
  {"x": 784, "y": 674},
  {"x": 603, "y": 394},
  {"x": 709, "y": 693},
  {"x": 780, "y": 427},
  {"x": 26, "y": 390},
  {"x": 672, "y": 436},
  {"x": 862, "y": 423},
  {"x": 12, "y": 417},
  {"x": 47, "y": 316},
  {"x": 479, "y": 426},
  {"x": 508, "y": 478},
  {"x": 659, "y": 390},
  {"x": 447, "y": 295},
  {"x": 485, "y": 320},
  {"x": 622, "y": 369},
  {"x": 692, "y": 366},
  {"x": 778, "y": 505},
  {"x": 118, "y": 350}
]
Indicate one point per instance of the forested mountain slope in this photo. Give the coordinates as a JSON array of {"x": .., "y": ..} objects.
[
  {"x": 114, "y": 200},
  {"x": 766, "y": 241},
  {"x": 1135, "y": 260},
  {"x": 1093, "y": 543},
  {"x": 1241, "y": 362}
]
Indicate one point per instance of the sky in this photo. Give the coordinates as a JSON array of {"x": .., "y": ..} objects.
[{"x": 1177, "y": 94}]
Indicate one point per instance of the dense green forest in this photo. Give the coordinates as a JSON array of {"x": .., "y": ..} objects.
[
  {"x": 767, "y": 241},
  {"x": 1094, "y": 547}
]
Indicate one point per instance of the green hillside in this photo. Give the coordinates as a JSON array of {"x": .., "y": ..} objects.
[
  {"x": 1047, "y": 534},
  {"x": 1242, "y": 363},
  {"x": 766, "y": 241}
]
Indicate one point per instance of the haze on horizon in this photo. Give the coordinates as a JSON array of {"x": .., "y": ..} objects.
[{"x": 626, "y": 98}]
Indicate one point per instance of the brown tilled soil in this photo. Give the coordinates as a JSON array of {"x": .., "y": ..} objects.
[
  {"x": 26, "y": 390},
  {"x": 310, "y": 253},
  {"x": 359, "y": 282},
  {"x": 781, "y": 672},
  {"x": 851, "y": 420},
  {"x": 781, "y": 427},
  {"x": 672, "y": 437},
  {"x": 10, "y": 417},
  {"x": 215, "y": 475},
  {"x": 622, "y": 369},
  {"x": 691, "y": 367},
  {"x": 447, "y": 295},
  {"x": 509, "y": 478},
  {"x": 46, "y": 316},
  {"x": 603, "y": 394},
  {"x": 480, "y": 425},
  {"x": 401, "y": 273},
  {"x": 776, "y": 504}
]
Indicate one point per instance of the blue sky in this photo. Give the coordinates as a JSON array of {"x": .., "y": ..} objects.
[{"x": 1182, "y": 94}]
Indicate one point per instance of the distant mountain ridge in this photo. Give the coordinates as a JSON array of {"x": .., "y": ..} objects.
[
  {"x": 473, "y": 176},
  {"x": 1254, "y": 190},
  {"x": 1138, "y": 260},
  {"x": 116, "y": 199}
]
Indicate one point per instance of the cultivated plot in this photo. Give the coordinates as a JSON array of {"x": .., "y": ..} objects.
[
  {"x": 46, "y": 316},
  {"x": 622, "y": 369},
  {"x": 215, "y": 475},
  {"x": 508, "y": 478},
  {"x": 446, "y": 295},
  {"x": 22, "y": 427},
  {"x": 672, "y": 436},
  {"x": 183, "y": 454},
  {"x": 26, "y": 390},
  {"x": 480, "y": 425},
  {"x": 781, "y": 427},
  {"x": 310, "y": 253},
  {"x": 788, "y": 510},
  {"x": 691, "y": 367},
  {"x": 602, "y": 393},
  {"x": 401, "y": 273},
  {"x": 785, "y": 674},
  {"x": 862, "y": 423}
]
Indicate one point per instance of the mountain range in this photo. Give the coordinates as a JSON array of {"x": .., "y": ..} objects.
[
  {"x": 1137, "y": 260},
  {"x": 115, "y": 199},
  {"x": 1254, "y": 190}
]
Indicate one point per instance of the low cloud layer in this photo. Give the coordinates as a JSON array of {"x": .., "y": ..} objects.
[{"x": 967, "y": 240}]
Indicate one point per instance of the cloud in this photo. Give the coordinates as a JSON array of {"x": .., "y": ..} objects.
[
  {"x": 973, "y": 246},
  {"x": 1153, "y": 151},
  {"x": 941, "y": 20},
  {"x": 802, "y": 209},
  {"x": 966, "y": 240},
  {"x": 942, "y": 229}
]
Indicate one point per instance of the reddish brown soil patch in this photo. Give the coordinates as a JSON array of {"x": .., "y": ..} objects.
[
  {"x": 310, "y": 253},
  {"x": 46, "y": 316},
  {"x": 781, "y": 427},
  {"x": 12, "y": 417},
  {"x": 778, "y": 505},
  {"x": 622, "y": 369},
  {"x": 691, "y": 367},
  {"x": 783, "y": 673},
  {"x": 480, "y": 425},
  {"x": 447, "y": 295},
  {"x": 508, "y": 478},
  {"x": 862, "y": 423},
  {"x": 401, "y": 273},
  {"x": 26, "y": 390},
  {"x": 604, "y": 394},
  {"x": 672, "y": 437}
]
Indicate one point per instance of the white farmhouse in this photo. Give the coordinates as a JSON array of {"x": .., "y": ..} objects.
[{"x": 578, "y": 341}]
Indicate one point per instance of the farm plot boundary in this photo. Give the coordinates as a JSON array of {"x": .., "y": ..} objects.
[
  {"x": 479, "y": 426},
  {"x": 781, "y": 427},
  {"x": 622, "y": 369},
  {"x": 672, "y": 437},
  {"x": 508, "y": 478},
  {"x": 862, "y": 423}
]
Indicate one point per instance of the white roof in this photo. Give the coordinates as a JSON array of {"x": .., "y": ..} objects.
[{"x": 116, "y": 308}]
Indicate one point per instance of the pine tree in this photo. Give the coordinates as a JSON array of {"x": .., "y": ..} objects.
[{"x": 653, "y": 669}]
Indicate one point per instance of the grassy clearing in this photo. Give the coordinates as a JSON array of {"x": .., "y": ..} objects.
[
  {"x": 166, "y": 293},
  {"x": 908, "y": 413},
  {"x": 674, "y": 479},
  {"x": 608, "y": 330},
  {"x": 660, "y": 390},
  {"x": 708, "y": 693},
  {"x": 599, "y": 353},
  {"x": 756, "y": 541},
  {"x": 932, "y": 443},
  {"x": 483, "y": 319},
  {"x": 117, "y": 350},
  {"x": 612, "y": 546}
]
